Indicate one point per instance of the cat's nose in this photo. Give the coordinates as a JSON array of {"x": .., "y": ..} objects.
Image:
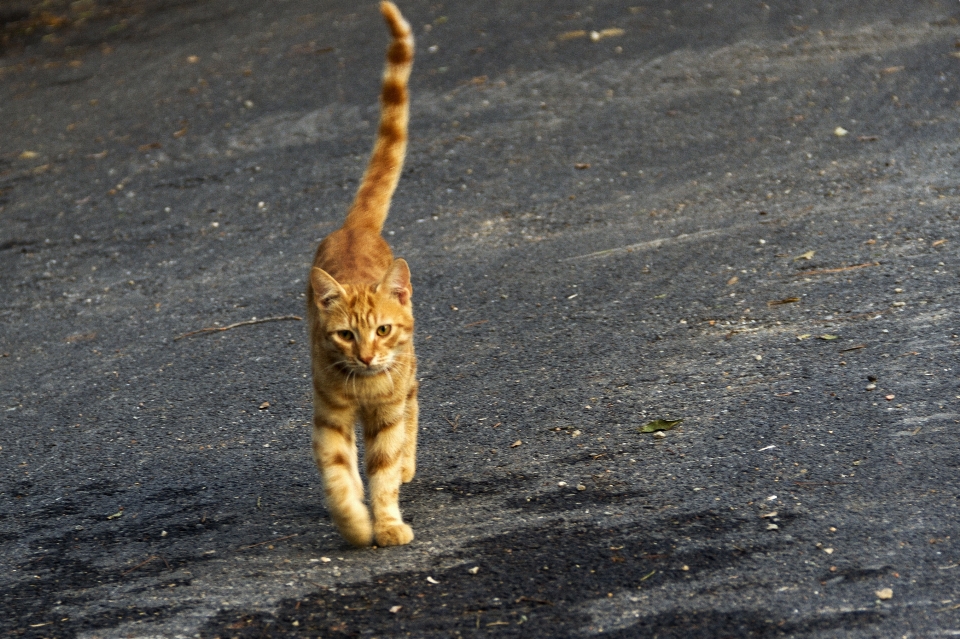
[{"x": 366, "y": 359}]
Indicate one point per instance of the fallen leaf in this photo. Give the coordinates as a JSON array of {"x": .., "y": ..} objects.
[
  {"x": 884, "y": 593},
  {"x": 395, "y": 609},
  {"x": 581, "y": 487},
  {"x": 828, "y": 336},
  {"x": 116, "y": 515},
  {"x": 805, "y": 256},
  {"x": 786, "y": 300},
  {"x": 432, "y": 580},
  {"x": 840, "y": 132},
  {"x": 474, "y": 570},
  {"x": 939, "y": 242},
  {"x": 515, "y": 444},
  {"x": 769, "y": 515},
  {"x": 264, "y": 406},
  {"x": 659, "y": 424},
  {"x": 28, "y": 155},
  {"x": 733, "y": 280},
  {"x": 829, "y": 551},
  {"x": 773, "y": 527}
]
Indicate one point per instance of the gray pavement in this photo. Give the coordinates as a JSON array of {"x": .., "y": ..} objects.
[{"x": 739, "y": 214}]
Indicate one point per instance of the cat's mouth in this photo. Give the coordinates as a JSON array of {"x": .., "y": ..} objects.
[{"x": 364, "y": 370}]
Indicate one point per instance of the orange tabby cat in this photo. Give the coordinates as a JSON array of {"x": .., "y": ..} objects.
[{"x": 360, "y": 320}]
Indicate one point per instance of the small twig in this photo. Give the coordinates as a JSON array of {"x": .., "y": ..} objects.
[
  {"x": 453, "y": 424},
  {"x": 140, "y": 565},
  {"x": 542, "y": 602},
  {"x": 217, "y": 329},
  {"x": 854, "y": 348},
  {"x": 825, "y": 271},
  {"x": 269, "y": 541}
]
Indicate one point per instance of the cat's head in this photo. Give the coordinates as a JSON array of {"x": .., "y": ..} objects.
[{"x": 364, "y": 329}]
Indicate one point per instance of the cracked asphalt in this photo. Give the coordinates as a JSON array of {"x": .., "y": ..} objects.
[{"x": 743, "y": 215}]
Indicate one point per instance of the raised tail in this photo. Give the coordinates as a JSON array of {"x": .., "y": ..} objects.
[{"x": 369, "y": 209}]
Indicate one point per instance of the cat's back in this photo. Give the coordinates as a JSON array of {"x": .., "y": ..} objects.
[{"x": 354, "y": 256}]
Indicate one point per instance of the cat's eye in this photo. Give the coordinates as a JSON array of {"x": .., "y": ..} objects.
[
  {"x": 384, "y": 330},
  {"x": 346, "y": 336}
]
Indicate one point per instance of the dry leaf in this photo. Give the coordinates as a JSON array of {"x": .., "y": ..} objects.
[
  {"x": 884, "y": 593},
  {"x": 658, "y": 425},
  {"x": 28, "y": 155},
  {"x": 805, "y": 256},
  {"x": 733, "y": 280},
  {"x": 395, "y": 609},
  {"x": 829, "y": 337},
  {"x": 516, "y": 443}
]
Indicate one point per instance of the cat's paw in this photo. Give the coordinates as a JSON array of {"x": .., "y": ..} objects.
[
  {"x": 358, "y": 532},
  {"x": 397, "y": 535}
]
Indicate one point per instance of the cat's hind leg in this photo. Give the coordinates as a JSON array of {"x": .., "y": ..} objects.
[
  {"x": 383, "y": 439},
  {"x": 335, "y": 451}
]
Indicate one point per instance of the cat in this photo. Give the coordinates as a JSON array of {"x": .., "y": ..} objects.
[{"x": 360, "y": 323}]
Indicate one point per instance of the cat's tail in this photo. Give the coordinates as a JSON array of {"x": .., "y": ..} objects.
[{"x": 369, "y": 209}]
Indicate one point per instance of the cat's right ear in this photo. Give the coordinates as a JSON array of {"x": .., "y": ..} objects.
[{"x": 325, "y": 288}]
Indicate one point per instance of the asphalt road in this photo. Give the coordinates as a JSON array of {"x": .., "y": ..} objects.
[{"x": 739, "y": 215}]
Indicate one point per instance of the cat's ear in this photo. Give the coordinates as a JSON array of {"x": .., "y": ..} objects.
[
  {"x": 397, "y": 281},
  {"x": 325, "y": 288}
]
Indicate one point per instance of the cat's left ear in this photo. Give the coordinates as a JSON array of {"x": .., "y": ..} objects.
[{"x": 397, "y": 281}]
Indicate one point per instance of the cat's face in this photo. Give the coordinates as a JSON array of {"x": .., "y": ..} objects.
[{"x": 365, "y": 330}]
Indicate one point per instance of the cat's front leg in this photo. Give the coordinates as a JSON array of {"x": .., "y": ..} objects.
[
  {"x": 335, "y": 451},
  {"x": 408, "y": 467},
  {"x": 384, "y": 440}
]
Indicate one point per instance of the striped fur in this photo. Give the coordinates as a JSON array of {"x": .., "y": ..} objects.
[{"x": 360, "y": 320}]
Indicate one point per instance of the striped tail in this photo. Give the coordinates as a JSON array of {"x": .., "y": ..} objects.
[{"x": 369, "y": 209}]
